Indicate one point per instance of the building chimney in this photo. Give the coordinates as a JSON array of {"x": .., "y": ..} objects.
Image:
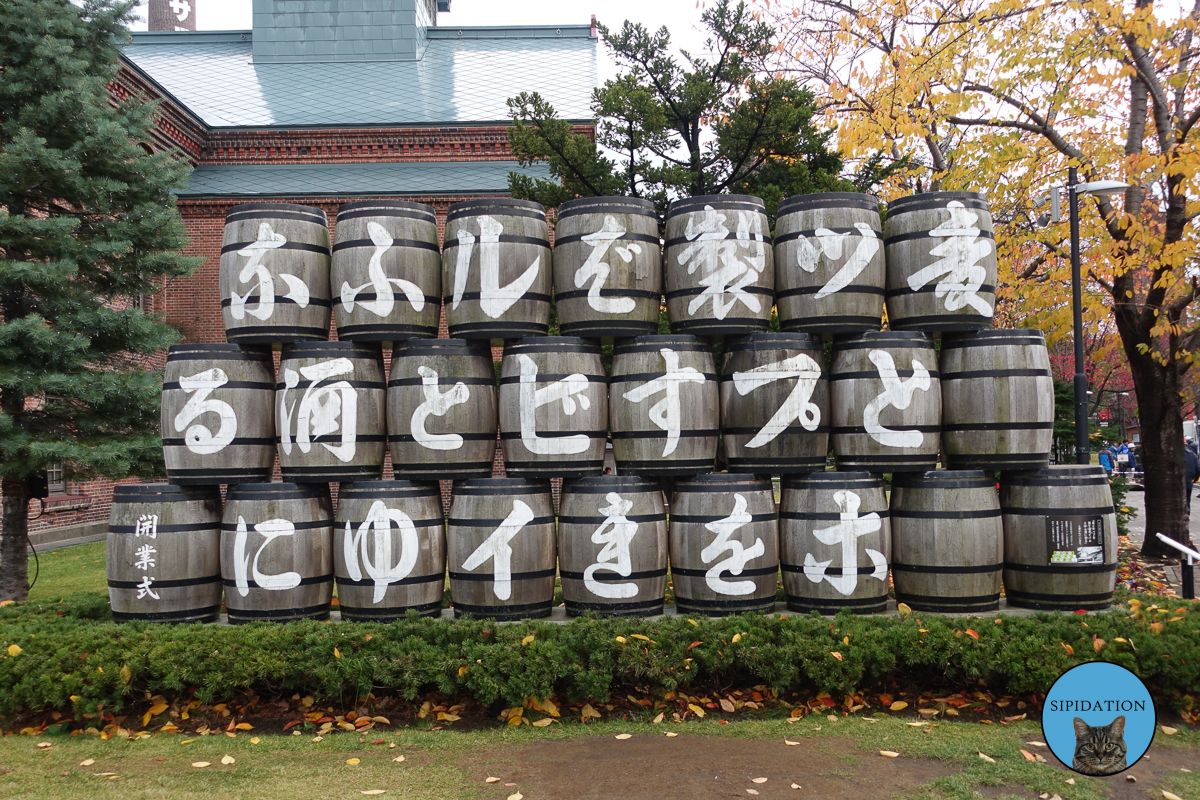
[
  {"x": 296, "y": 31},
  {"x": 172, "y": 15}
]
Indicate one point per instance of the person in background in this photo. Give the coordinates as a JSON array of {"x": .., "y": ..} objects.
[
  {"x": 1106, "y": 459},
  {"x": 1191, "y": 471},
  {"x": 1190, "y": 443},
  {"x": 1133, "y": 462},
  {"x": 1121, "y": 457}
]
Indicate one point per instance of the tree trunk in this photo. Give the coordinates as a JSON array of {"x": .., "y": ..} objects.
[{"x": 14, "y": 539}]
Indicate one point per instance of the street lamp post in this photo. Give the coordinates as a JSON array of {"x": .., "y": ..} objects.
[{"x": 1121, "y": 413}]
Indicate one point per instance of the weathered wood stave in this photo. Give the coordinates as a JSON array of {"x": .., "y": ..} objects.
[
  {"x": 582, "y": 517},
  {"x": 709, "y": 499},
  {"x": 814, "y": 502},
  {"x": 1033, "y": 504},
  {"x": 811, "y": 230},
  {"x": 551, "y": 441},
  {"x": 228, "y": 384},
  {"x": 345, "y": 375},
  {"x": 182, "y": 566},
  {"x": 855, "y": 384},
  {"x": 754, "y": 440},
  {"x": 520, "y": 304},
  {"x": 299, "y": 518},
  {"x": 629, "y": 297},
  {"x": 279, "y": 239},
  {"x": 400, "y": 275},
  {"x": 947, "y": 541},
  {"x": 372, "y": 541},
  {"x": 636, "y": 438},
  {"x": 447, "y": 363},
  {"x": 997, "y": 400},
  {"x": 909, "y": 239},
  {"x": 689, "y": 260},
  {"x": 479, "y": 510}
]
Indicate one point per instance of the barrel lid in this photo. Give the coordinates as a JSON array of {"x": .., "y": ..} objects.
[
  {"x": 406, "y": 205},
  {"x": 704, "y": 483},
  {"x": 485, "y": 486},
  {"x": 837, "y": 478},
  {"x": 552, "y": 344},
  {"x": 249, "y": 210},
  {"x": 987, "y": 335},
  {"x": 318, "y": 490},
  {"x": 773, "y": 341},
  {"x": 739, "y": 202},
  {"x": 598, "y": 205},
  {"x": 883, "y": 339},
  {"x": 322, "y": 349},
  {"x": 600, "y": 484},
  {"x": 442, "y": 346},
  {"x": 953, "y": 478},
  {"x": 803, "y": 202},
  {"x": 168, "y": 491},
  {"x": 385, "y": 485},
  {"x": 498, "y": 205},
  {"x": 218, "y": 350},
  {"x": 899, "y": 204},
  {"x": 1059, "y": 475},
  {"x": 674, "y": 341}
]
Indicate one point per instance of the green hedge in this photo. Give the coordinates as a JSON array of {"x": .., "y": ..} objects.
[{"x": 73, "y": 649}]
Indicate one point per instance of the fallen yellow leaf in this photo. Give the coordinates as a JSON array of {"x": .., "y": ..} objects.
[
  {"x": 640, "y": 636},
  {"x": 1169, "y": 796},
  {"x": 588, "y": 711},
  {"x": 227, "y": 760},
  {"x": 889, "y": 753},
  {"x": 1168, "y": 730},
  {"x": 541, "y": 723},
  {"x": 352, "y": 761},
  {"x": 462, "y": 670},
  {"x": 516, "y": 796},
  {"x": 244, "y": 726},
  {"x": 671, "y": 734},
  {"x": 187, "y": 741},
  {"x": 490, "y": 779},
  {"x": 1028, "y": 755},
  {"x": 256, "y": 740},
  {"x": 445, "y": 717},
  {"x": 126, "y": 674},
  {"x": 697, "y": 710},
  {"x": 758, "y": 780},
  {"x": 904, "y": 609},
  {"x": 790, "y": 743},
  {"x": 836, "y": 655},
  {"x": 737, "y": 637},
  {"x": 752, "y": 791},
  {"x": 795, "y": 786},
  {"x": 988, "y": 759},
  {"x": 158, "y": 708},
  {"x": 14, "y": 650},
  {"x": 398, "y": 759},
  {"x": 371, "y": 791},
  {"x": 337, "y": 653},
  {"x": 87, "y": 762},
  {"x": 381, "y": 720},
  {"x": 623, "y": 736},
  {"x": 899, "y": 705},
  {"x": 621, "y": 639},
  {"x": 657, "y": 719},
  {"x": 694, "y": 623},
  {"x": 528, "y": 639},
  {"x": 201, "y": 764},
  {"x": 307, "y": 702}
]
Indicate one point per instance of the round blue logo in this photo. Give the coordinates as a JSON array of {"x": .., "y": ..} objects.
[{"x": 1099, "y": 718}]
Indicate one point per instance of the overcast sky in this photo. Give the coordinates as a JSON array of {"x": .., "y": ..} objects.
[{"x": 682, "y": 17}]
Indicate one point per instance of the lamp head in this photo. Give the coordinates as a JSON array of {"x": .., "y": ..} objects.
[{"x": 1101, "y": 188}]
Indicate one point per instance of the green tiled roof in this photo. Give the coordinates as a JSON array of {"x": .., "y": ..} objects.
[
  {"x": 461, "y": 78},
  {"x": 413, "y": 178}
]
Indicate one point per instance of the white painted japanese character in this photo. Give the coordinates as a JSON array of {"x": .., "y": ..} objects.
[
  {"x": 244, "y": 568},
  {"x": 199, "y": 438},
  {"x": 724, "y": 275},
  {"x": 497, "y": 549},
  {"x": 145, "y": 557},
  {"x": 379, "y": 282},
  {"x": 494, "y": 299},
  {"x": 147, "y": 525},
  {"x": 739, "y": 554},
  {"x": 597, "y": 271},
  {"x": 379, "y": 566},
  {"x": 437, "y": 403},
  {"x": 569, "y": 391},
  {"x": 615, "y": 533},
  {"x": 831, "y": 244},
  {"x": 181, "y": 8},
  {"x": 256, "y": 251},
  {"x": 845, "y": 533},
  {"x": 325, "y": 408},
  {"x": 666, "y": 412},
  {"x": 896, "y": 394},
  {"x": 797, "y": 407},
  {"x": 958, "y": 266},
  {"x": 144, "y": 588}
]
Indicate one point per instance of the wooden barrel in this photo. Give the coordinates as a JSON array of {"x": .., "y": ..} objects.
[
  {"x": 886, "y": 404},
  {"x": 835, "y": 542},
  {"x": 387, "y": 271},
  {"x": 720, "y": 268},
  {"x": 941, "y": 262},
  {"x": 663, "y": 406},
  {"x": 218, "y": 414},
  {"x": 775, "y": 404},
  {"x": 441, "y": 409},
  {"x": 724, "y": 545},
  {"x": 947, "y": 541},
  {"x": 607, "y": 267},
  {"x": 275, "y": 274},
  {"x": 1060, "y": 539},
  {"x": 612, "y": 545},
  {"x": 496, "y": 269},
  {"x": 829, "y": 267},
  {"x": 163, "y": 554},
  {"x": 553, "y": 408},
  {"x": 389, "y": 550},
  {"x": 501, "y": 549},
  {"x": 331, "y": 400},
  {"x": 277, "y": 552},
  {"x": 997, "y": 400}
]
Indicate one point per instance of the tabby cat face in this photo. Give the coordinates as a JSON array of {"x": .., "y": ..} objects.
[{"x": 1099, "y": 750}]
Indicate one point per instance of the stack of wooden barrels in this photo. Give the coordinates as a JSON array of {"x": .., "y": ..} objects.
[{"x": 702, "y": 417}]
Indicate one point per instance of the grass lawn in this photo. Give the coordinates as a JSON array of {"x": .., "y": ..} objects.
[
  {"x": 829, "y": 759},
  {"x": 71, "y": 570}
]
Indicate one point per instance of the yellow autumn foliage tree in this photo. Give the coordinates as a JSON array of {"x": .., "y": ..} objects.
[{"x": 1003, "y": 96}]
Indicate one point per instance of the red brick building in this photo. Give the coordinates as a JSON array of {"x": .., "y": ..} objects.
[{"x": 317, "y": 107}]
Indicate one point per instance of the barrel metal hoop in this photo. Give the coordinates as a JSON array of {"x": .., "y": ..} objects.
[
  {"x": 854, "y": 288},
  {"x": 613, "y": 577},
  {"x": 416, "y": 244},
  {"x": 988, "y": 513},
  {"x": 852, "y": 429},
  {"x": 625, "y": 237},
  {"x": 359, "y": 613},
  {"x": 745, "y": 573},
  {"x": 551, "y": 377},
  {"x": 205, "y": 614},
  {"x": 874, "y": 375},
  {"x": 947, "y": 570},
  {"x": 697, "y": 290},
  {"x": 505, "y": 238},
  {"x": 639, "y": 608},
  {"x": 798, "y": 603},
  {"x": 926, "y": 236},
  {"x": 799, "y": 569},
  {"x": 242, "y": 615},
  {"x": 738, "y": 238},
  {"x": 829, "y": 516},
  {"x": 645, "y": 377},
  {"x": 996, "y": 373},
  {"x": 444, "y": 380},
  {"x": 505, "y": 613},
  {"x": 309, "y": 581},
  {"x": 766, "y": 604},
  {"x": 495, "y": 523},
  {"x": 302, "y": 246},
  {"x": 319, "y": 302},
  {"x": 166, "y": 584},
  {"x": 791, "y": 235},
  {"x": 1094, "y": 511},
  {"x": 1062, "y": 569},
  {"x": 180, "y": 528},
  {"x": 706, "y": 518},
  {"x": 999, "y": 426},
  {"x": 412, "y": 580},
  {"x": 579, "y": 294},
  {"x": 303, "y": 525},
  {"x": 950, "y": 604}
]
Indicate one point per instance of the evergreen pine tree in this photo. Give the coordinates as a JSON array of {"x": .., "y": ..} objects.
[{"x": 87, "y": 222}]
